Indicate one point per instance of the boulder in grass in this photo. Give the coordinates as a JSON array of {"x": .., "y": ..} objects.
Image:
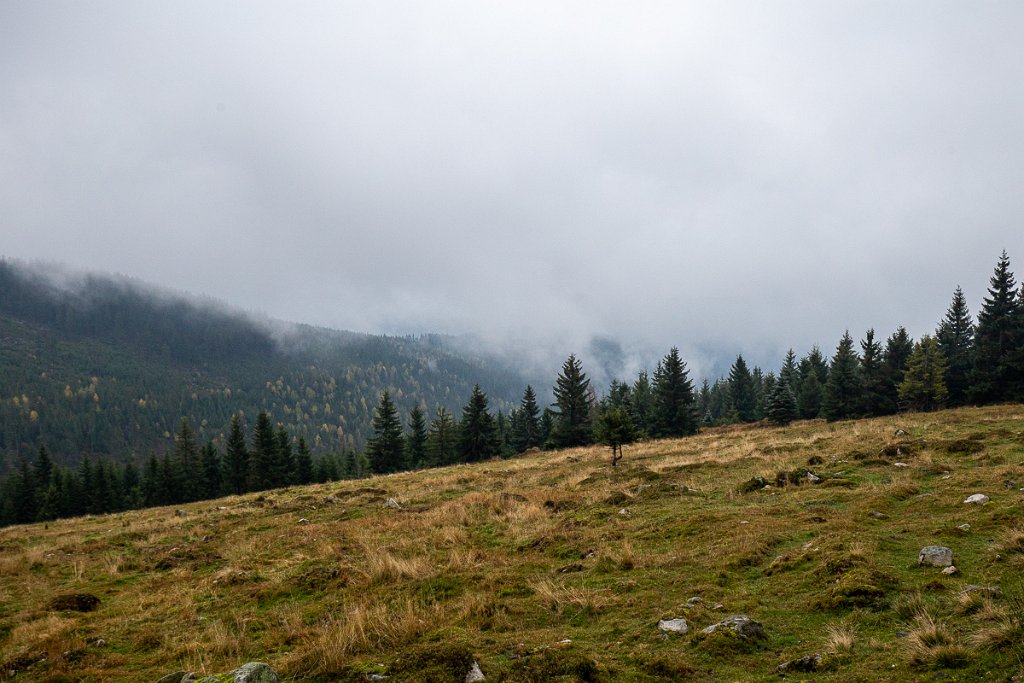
[
  {"x": 673, "y": 626},
  {"x": 252, "y": 672},
  {"x": 976, "y": 499},
  {"x": 741, "y": 625},
  {"x": 935, "y": 556}
]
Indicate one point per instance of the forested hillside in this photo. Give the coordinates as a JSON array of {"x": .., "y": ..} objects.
[{"x": 94, "y": 365}]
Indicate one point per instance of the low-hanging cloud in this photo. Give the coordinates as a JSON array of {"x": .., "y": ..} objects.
[{"x": 723, "y": 177}]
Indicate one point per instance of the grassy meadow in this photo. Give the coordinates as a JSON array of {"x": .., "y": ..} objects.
[{"x": 556, "y": 566}]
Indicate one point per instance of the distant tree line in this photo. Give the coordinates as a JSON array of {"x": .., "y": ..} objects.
[{"x": 965, "y": 362}]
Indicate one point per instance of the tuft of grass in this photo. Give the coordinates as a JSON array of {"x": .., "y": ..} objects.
[
  {"x": 841, "y": 638},
  {"x": 931, "y": 643}
]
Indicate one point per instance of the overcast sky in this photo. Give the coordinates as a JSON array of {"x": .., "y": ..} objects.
[{"x": 724, "y": 177}]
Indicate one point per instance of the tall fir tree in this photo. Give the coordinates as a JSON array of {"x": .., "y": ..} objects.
[
  {"x": 186, "y": 461},
  {"x": 924, "y": 383},
  {"x": 236, "y": 458},
  {"x": 263, "y": 458},
  {"x": 955, "y": 336},
  {"x": 675, "y": 409},
  {"x": 742, "y": 397},
  {"x": 573, "y": 401},
  {"x": 842, "y": 398},
  {"x": 809, "y": 391},
  {"x": 898, "y": 348},
  {"x": 43, "y": 468},
  {"x": 872, "y": 377},
  {"x": 643, "y": 404},
  {"x": 386, "y": 448},
  {"x": 284, "y": 462},
  {"x": 416, "y": 441},
  {"x": 213, "y": 470},
  {"x": 478, "y": 437},
  {"x": 781, "y": 407},
  {"x": 442, "y": 439},
  {"x": 995, "y": 377},
  {"x": 303, "y": 463},
  {"x": 526, "y": 426}
]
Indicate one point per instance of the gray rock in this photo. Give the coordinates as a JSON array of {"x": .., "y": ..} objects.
[
  {"x": 878, "y": 515},
  {"x": 251, "y": 672},
  {"x": 976, "y": 499},
  {"x": 173, "y": 678},
  {"x": 392, "y": 503},
  {"x": 673, "y": 625},
  {"x": 813, "y": 478},
  {"x": 740, "y": 624},
  {"x": 971, "y": 588},
  {"x": 695, "y": 600},
  {"x": 935, "y": 556},
  {"x": 950, "y": 570},
  {"x": 475, "y": 674},
  {"x": 964, "y": 527},
  {"x": 805, "y": 664}
]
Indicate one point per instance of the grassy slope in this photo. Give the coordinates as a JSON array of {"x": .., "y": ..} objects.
[{"x": 471, "y": 563}]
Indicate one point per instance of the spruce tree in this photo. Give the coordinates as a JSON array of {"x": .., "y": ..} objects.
[
  {"x": 898, "y": 348},
  {"x": 615, "y": 429},
  {"x": 781, "y": 408},
  {"x": 263, "y": 457},
  {"x": 809, "y": 392},
  {"x": 872, "y": 377},
  {"x": 416, "y": 441},
  {"x": 303, "y": 463},
  {"x": 642, "y": 399},
  {"x": 43, "y": 468},
  {"x": 995, "y": 377},
  {"x": 236, "y": 459},
  {"x": 526, "y": 426},
  {"x": 386, "y": 448},
  {"x": 478, "y": 437},
  {"x": 284, "y": 462},
  {"x": 742, "y": 398},
  {"x": 924, "y": 383},
  {"x": 213, "y": 470},
  {"x": 842, "y": 397},
  {"x": 955, "y": 336},
  {"x": 187, "y": 464},
  {"x": 572, "y": 399},
  {"x": 442, "y": 440},
  {"x": 674, "y": 405}
]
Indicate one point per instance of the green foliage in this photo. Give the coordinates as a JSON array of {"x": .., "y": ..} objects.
[
  {"x": 526, "y": 423},
  {"x": 743, "y": 399},
  {"x": 478, "y": 437},
  {"x": 843, "y": 390},
  {"x": 781, "y": 409},
  {"x": 386, "y": 448},
  {"x": 955, "y": 336},
  {"x": 442, "y": 440},
  {"x": 924, "y": 383},
  {"x": 615, "y": 429},
  {"x": 573, "y": 401},
  {"x": 416, "y": 440},
  {"x": 674, "y": 405},
  {"x": 998, "y": 340}
]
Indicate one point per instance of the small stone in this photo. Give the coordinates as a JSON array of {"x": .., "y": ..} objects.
[
  {"x": 899, "y": 432},
  {"x": 976, "y": 499},
  {"x": 251, "y": 672},
  {"x": 303, "y": 521},
  {"x": 172, "y": 677},
  {"x": 964, "y": 527},
  {"x": 565, "y": 642},
  {"x": 718, "y": 606},
  {"x": 950, "y": 570},
  {"x": 972, "y": 588},
  {"x": 878, "y": 515},
  {"x": 623, "y": 512},
  {"x": 392, "y": 503},
  {"x": 475, "y": 674},
  {"x": 180, "y": 513},
  {"x": 740, "y": 624},
  {"x": 813, "y": 478},
  {"x": 673, "y": 625},
  {"x": 900, "y": 464},
  {"x": 695, "y": 600},
  {"x": 935, "y": 556},
  {"x": 100, "y": 642},
  {"x": 805, "y": 664}
]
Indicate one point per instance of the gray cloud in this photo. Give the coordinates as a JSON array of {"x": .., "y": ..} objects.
[{"x": 719, "y": 176}]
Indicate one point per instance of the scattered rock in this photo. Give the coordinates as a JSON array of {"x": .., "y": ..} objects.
[
  {"x": 475, "y": 674},
  {"x": 950, "y": 570},
  {"x": 570, "y": 568},
  {"x": 303, "y": 521},
  {"x": 392, "y": 503},
  {"x": 695, "y": 600},
  {"x": 753, "y": 484},
  {"x": 252, "y": 672},
  {"x": 900, "y": 432},
  {"x": 971, "y": 588},
  {"x": 565, "y": 642},
  {"x": 878, "y": 515},
  {"x": 74, "y": 602},
  {"x": 173, "y": 677},
  {"x": 813, "y": 478},
  {"x": 900, "y": 464},
  {"x": 805, "y": 664},
  {"x": 964, "y": 527},
  {"x": 624, "y": 511},
  {"x": 1010, "y": 484},
  {"x": 976, "y": 499},
  {"x": 718, "y": 606},
  {"x": 673, "y": 625},
  {"x": 100, "y": 642},
  {"x": 740, "y": 624},
  {"x": 935, "y": 556}
]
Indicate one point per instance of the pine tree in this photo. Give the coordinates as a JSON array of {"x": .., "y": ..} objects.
[
  {"x": 898, "y": 348},
  {"x": 615, "y": 429},
  {"x": 572, "y": 398},
  {"x": 416, "y": 441},
  {"x": 386, "y": 449},
  {"x": 675, "y": 409},
  {"x": 955, "y": 336},
  {"x": 478, "y": 437},
  {"x": 781, "y": 408},
  {"x": 842, "y": 397},
  {"x": 26, "y": 505},
  {"x": 924, "y": 384},
  {"x": 263, "y": 457},
  {"x": 872, "y": 377},
  {"x": 526, "y": 426},
  {"x": 741, "y": 392},
  {"x": 994, "y": 376},
  {"x": 643, "y": 404},
  {"x": 186, "y": 462},
  {"x": 236, "y": 459},
  {"x": 442, "y": 440},
  {"x": 809, "y": 393},
  {"x": 212, "y": 471},
  {"x": 284, "y": 462},
  {"x": 303, "y": 463},
  {"x": 790, "y": 372},
  {"x": 43, "y": 468}
]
